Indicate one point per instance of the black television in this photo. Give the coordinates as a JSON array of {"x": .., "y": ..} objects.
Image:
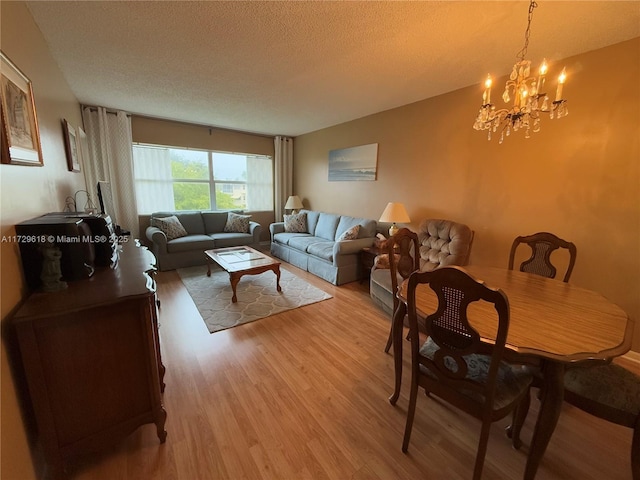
[{"x": 105, "y": 197}]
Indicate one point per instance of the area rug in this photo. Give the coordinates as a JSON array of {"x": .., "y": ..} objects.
[{"x": 257, "y": 296}]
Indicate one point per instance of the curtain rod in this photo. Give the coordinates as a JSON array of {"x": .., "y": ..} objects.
[{"x": 108, "y": 110}]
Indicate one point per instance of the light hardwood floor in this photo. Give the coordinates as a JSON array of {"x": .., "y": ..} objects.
[{"x": 303, "y": 395}]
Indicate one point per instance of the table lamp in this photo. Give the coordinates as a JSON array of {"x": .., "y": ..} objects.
[
  {"x": 293, "y": 203},
  {"x": 394, "y": 213}
]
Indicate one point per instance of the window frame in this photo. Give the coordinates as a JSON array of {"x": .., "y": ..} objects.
[{"x": 211, "y": 181}]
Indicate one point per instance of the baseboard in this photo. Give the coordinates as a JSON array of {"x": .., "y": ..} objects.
[{"x": 632, "y": 356}]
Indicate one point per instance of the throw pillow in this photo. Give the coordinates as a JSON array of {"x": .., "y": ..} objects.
[
  {"x": 296, "y": 223},
  {"x": 237, "y": 223},
  {"x": 350, "y": 234},
  {"x": 171, "y": 226}
]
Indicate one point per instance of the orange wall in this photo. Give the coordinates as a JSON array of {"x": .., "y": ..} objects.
[
  {"x": 27, "y": 192},
  {"x": 579, "y": 177}
]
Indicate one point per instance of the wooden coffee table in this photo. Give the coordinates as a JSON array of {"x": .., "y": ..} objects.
[{"x": 239, "y": 261}]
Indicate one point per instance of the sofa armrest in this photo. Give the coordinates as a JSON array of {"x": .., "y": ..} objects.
[
  {"x": 158, "y": 239},
  {"x": 255, "y": 229},
  {"x": 346, "y": 247},
  {"x": 277, "y": 227}
]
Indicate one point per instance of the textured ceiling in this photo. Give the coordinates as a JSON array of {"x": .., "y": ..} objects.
[{"x": 292, "y": 67}]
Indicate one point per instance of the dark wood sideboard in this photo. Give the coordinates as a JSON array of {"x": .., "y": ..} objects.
[{"x": 91, "y": 356}]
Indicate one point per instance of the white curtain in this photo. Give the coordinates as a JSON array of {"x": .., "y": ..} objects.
[
  {"x": 110, "y": 160},
  {"x": 284, "y": 173},
  {"x": 259, "y": 183},
  {"x": 154, "y": 183}
]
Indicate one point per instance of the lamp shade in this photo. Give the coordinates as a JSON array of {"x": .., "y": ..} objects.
[
  {"x": 293, "y": 202},
  {"x": 395, "y": 213}
]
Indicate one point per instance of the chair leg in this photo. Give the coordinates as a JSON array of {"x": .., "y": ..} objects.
[
  {"x": 519, "y": 416},
  {"x": 411, "y": 412},
  {"x": 482, "y": 449},
  {"x": 635, "y": 451}
]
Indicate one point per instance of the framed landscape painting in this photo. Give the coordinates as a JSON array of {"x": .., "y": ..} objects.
[
  {"x": 20, "y": 135},
  {"x": 353, "y": 164}
]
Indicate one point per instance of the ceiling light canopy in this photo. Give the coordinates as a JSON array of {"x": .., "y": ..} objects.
[{"x": 528, "y": 93}]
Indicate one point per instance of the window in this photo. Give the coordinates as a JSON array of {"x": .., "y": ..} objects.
[{"x": 171, "y": 179}]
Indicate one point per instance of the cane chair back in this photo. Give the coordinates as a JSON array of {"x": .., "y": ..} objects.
[{"x": 543, "y": 244}]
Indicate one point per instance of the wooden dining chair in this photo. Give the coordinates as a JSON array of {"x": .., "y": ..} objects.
[
  {"x": 612, "y": 393},
  {"x": 404, "y": 259},
  {"x": 454, "y": 363},
  {"x": 542, "y": 246}
]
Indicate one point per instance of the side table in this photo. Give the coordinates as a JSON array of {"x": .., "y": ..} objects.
[{"x": 367, "y": 257}]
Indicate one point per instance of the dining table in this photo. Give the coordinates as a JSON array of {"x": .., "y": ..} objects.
[{"x": 553, "y": 325}]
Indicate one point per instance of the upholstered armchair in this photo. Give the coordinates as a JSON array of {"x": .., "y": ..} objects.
[{"x": 441, "y": 243}]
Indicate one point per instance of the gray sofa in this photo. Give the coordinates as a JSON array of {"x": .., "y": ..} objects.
[
  {"x": 442, "y": 242},
  {"x": 205, "y": 230},
  {"x": 318, "y": 250}
]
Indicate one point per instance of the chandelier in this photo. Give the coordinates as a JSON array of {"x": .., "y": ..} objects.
[{"x": 529, "y": 97}]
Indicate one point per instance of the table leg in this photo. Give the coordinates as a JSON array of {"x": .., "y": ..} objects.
[
  {"x": 276, "y": 270},
  {"x": 550, "y": 407},
  {"x": 234, "y": 279},
  {"x": 396, "y": 335},
  {"x": 208, "y": 266}
]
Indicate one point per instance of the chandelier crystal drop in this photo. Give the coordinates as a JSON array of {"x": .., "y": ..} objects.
[{"x": 528, "y": 94}]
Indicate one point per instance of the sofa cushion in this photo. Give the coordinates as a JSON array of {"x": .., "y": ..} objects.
[
  {"x": 312, "y": 220},
  {"x": 326, "y": 227},
  {"x": 214, "y": 222},
  {"x": 284, "y": 238},
  {"x": 367, "y": 227},
  {"x": 323, "y": 250},
  {"x": 237, "y": 223},
  {"x": 192, "y": 222},
  {"x": 171, "y": 226},
  {"x": 190, "y": 243},
  {"x": 295, "y": 223},
  {"x": 349, "y": 234},
  {"x": 345, "y": 224},
  {"x": 302, "y": 242},
  {"x": 231, "y": 239}
]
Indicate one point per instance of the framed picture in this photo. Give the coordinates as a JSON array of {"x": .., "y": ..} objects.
[
  {"x": 20, "y": 135},
  {"x": 353, "y": 164},
  {"x": 71, "y": 146}
]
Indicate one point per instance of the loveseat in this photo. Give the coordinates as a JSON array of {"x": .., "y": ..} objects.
[
  {"x": 324, "y": 244},
  {"x": 441, "y": 243},
  {"x": 179, "y": 239}
]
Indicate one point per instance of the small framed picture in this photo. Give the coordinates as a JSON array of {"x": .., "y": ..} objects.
[
  {"x": 20, "y": 137},
  {"x": 71, "y": 146}
]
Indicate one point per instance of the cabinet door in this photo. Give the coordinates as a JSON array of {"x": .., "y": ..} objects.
[{"x": 94, "y": 372}]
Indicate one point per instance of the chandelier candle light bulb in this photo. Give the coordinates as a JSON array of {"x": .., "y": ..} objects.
[
  {"x": 529, "y": 97},
  {"x": 486, "y": 97},
  {"x": 561, "y": 79}
]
